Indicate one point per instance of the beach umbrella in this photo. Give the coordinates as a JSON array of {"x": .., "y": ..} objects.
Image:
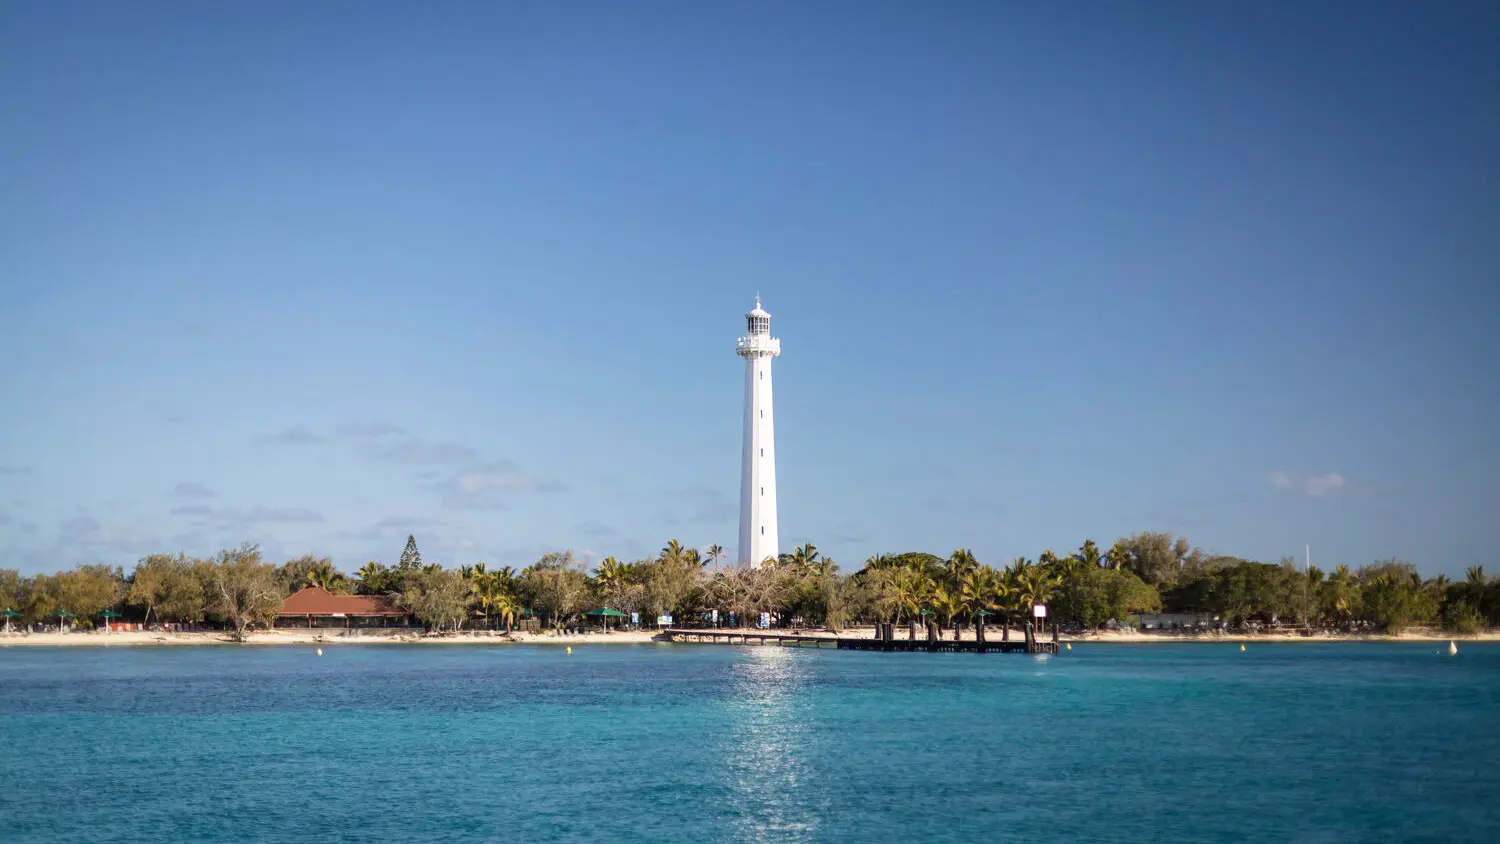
[
  {"x": 107, "y": 614},
  {"x": 62, "y": 614},
  {"x": 606, "y": 613},
  {"x": 8, "y": 615}
]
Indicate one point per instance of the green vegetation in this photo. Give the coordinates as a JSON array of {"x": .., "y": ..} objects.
[{"x": 1142, "y": 573}]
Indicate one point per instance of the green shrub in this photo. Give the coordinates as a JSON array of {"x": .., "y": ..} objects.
[{"x": 1463, "y": 618}]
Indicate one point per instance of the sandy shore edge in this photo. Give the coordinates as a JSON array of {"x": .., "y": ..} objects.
[{"x": 336, "y": 637}]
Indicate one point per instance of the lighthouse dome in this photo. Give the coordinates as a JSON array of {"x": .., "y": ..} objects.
[{"x": 759, "y": 320}]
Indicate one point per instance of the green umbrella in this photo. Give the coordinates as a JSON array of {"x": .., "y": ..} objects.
[
  {"x": 8, "y": 615},
  {"x": 606, "y": 613},
  {"x": 926, "y": 612},
  {"x": 62, "y": 614},
  {"x": 108, "y": 614}
]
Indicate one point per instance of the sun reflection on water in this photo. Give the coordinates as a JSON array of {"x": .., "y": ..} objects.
[{"x": 766, "y": 748}]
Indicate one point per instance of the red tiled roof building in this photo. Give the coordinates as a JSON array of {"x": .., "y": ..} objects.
[{"x": 316, "y": 607}]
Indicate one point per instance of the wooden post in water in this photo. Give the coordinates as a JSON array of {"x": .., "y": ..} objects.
[
  {"x": 932, "y": 633},
  {"x": 1030, "y": 638},
  {"x": 911, "y": 630},
  {"x": 979, "y": 629}
]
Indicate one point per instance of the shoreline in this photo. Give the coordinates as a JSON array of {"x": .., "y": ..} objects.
[{"x": 636, "y": 637}]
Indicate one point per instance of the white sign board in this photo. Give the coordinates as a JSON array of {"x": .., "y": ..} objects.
[{"x": 1039, "y": 610}]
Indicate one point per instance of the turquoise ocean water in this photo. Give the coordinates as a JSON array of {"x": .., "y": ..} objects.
[{"x": 652, "y": 743}]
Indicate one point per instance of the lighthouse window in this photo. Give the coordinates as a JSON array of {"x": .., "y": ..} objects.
[
  {"x": 762, "y": 414},
  {"x": 763, "y": 530},
  {"x": 762, "y": 490},
  {"x": 762, "y": 375},
  {"x": 762, "y": 452}
]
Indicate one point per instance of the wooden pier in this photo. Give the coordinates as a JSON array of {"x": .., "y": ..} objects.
[{"x": 694, "y": 635}]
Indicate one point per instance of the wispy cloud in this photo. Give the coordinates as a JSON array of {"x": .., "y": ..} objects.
[
  {"x": 86, "y": 532},
  {"x": 192, "y": 489},
  {"x": 970, "y": 505},
  {"x": 419, "y": 452},
  {"x": 296, "y": 435},
  {"x": 397, "y": 527},
  {"x": 595, "y": 530},
  {"x": 258, "y": 515},
  {"x": 1314, "y": 485},
  {"x": 701, "y": 504},
  {"x": 489, "y": 486},
  {"x": 1323, "y": 484},
  {"x": 229, "y": 518},
  {"x": 849, "y": 538},
  {"x": 368, "y": 430}
]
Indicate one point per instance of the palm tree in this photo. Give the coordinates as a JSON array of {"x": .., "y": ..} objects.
[
  {"x": 506, "y": 607},
  {"x": 1119, "y": 556},
  {"x": 715, "y": 554},
  {"x": 1343, "y": 591},
  {"x": 1089, "y": 555},
  {"x": 324, "y": 576},
  {"x": 959, "y": 568},
  {"x": 374, "y": 579},
  {"x": 673, "y": 552},
  {"x": 982, "y": 591},
  {"x": 609, "y": 576},
  {"x": 1034, "y": 586},
  {"x": 488, "y": 592},
  {"x": 910, "y": 591},
  {"x": 802, "y": 557},
  {"x": 946, "y": 605}
]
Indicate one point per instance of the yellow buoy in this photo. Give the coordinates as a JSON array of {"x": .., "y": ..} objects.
[
  {"x": 320, "y": 651},
  {"x": 1452, "y": 648},
  {"x": 1242, "y": 647},
  {"x": 1069, "y": 646},
  {"x": 570, "y": 649}
]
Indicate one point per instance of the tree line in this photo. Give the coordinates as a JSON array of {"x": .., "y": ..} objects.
[{"x": 1140, "y": 574}]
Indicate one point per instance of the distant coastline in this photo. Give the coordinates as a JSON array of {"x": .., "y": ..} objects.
[{"x": 483, "y": 637}]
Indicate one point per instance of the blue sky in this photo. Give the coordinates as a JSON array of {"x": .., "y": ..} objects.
[{"x": 319, "y": 275}]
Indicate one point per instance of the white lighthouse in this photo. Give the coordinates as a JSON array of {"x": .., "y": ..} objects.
[{"x": 758, "y": 539}]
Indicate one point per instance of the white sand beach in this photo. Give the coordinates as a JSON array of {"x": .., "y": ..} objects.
[{"x": 489, "y": 637}]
